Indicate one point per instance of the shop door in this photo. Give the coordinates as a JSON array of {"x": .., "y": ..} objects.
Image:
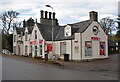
[
  {"x": 35, "y": 50},
  {"x": 62, "y": 48},
  {"x": 18, "y": 49}
]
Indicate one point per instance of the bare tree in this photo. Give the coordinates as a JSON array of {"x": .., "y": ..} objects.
[
  {"x": 108, "y": 25},
  {"x": 7, "y": 18}
]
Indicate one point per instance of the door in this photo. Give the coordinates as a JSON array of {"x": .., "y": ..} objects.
[
  {"x": 35, "y": 50},
  {"x": 62, "y": 48},
  {"x": 18, "y": 49}
]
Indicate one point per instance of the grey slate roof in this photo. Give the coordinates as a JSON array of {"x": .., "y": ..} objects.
[
  {"x": 30, "y": 29},
  {"x": 46, "y": 31},
  {"x": 19, "y": 30},
  {"x": 79, "y": 27},
  {"x": 58, "y": 31}
]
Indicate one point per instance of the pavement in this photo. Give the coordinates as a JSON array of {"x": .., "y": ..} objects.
[{"x": 105, "y": 67}]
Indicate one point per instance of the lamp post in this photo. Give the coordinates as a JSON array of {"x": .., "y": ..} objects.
[{"x": 52, "y": 28}]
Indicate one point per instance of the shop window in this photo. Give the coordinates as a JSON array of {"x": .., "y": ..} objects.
[
  {"x": 40, "y": 49},
  {"x": 88, "y": 48},
  {"x": 14, "y": 50},
  {"x": 102, "y": 48}
]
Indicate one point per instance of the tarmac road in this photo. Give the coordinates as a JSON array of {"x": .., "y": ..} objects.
[{"x": 13, "y": 69}]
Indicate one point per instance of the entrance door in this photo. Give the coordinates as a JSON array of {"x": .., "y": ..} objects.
[
  {"x": 62, "y": 48},
  {"x": 18, "y": 49},
  {"x": 35, "y": 50}
]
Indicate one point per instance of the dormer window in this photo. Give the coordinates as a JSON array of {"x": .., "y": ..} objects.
[
  {"x": 67, "y": 31},
  {"x": 35, "y": 34},
  {"x": 26, "y": 36}
]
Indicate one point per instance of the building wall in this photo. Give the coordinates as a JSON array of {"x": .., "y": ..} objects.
[
  {"x": 76, "y": 47},
  {"x": 67, "y": 48},
  {"x": 86, "y": 36},
  {"x": 39, "y": 37},
  {"x": 15, "y": 43}
]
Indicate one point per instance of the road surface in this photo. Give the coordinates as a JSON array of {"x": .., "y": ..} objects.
[{"x": 13, "y": 69}]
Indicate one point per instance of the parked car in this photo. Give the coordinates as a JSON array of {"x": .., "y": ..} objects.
[{"x": 6, "y": 52}]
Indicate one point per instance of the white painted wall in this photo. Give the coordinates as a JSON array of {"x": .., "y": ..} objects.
[
  {"x": 86, "y": 36},
  {"x": 76, "y": 47},
  {"x": 39, "y": 37}
]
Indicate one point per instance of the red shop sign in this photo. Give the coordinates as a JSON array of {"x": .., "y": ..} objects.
[
  {"x": 32, "y": 42},
  {"x": 94, "y": 38},
  {"x": 49, "y": 47},
  {"x": 40, "y": 41}
]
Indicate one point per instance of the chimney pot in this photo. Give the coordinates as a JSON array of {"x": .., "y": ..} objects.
[
  {"x": 42, "y": 12},
  {"x": 53, "y": 15},
  {"x": 50, "y": 15},
  {"x": 46, "y": 14}
]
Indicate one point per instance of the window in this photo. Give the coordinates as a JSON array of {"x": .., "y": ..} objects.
[
  {"x": 35, "y": 34},
  {"x": 26, "y": 36},
  {"x": 25, "y": 50},
  {"x": 95, "y": 30},
  {"x": 31, "y": 48},
  {"x": 102, "y": 48},
  {"x": 62, "y": 48},
  {"x": 14, "y": 50},
  {"x": 88, "y": 48},
  {"x": 40, "y": 50},
  {"x": 14, "y": 38}
]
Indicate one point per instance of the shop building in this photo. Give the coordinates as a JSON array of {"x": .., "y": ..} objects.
[{"x": 81, "y": 40}]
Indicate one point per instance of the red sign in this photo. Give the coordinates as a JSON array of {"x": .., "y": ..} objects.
[
  {"x": 33, "y": 42},
  {"x": 94, "y": 38},
  {"x": 63, "y": 43},
  {"x": 49, "y": 47},
  {"x": 40, "y": 41}
]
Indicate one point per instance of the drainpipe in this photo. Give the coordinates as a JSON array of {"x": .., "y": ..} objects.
[
  {"x": 71, "y": 50},
  {"x": 81, "y": 46}
]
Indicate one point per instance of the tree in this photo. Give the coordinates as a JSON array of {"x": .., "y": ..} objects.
[
  {"x": 118, "y": 28},
  {"x": 7, "y": 18},
  {"x": 108, "y": 25}
]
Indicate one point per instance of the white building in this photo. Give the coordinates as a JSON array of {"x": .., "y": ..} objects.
[{"x": 82, "y": 40}]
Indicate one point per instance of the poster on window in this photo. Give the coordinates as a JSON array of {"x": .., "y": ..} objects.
[
  {"x": 88, "y": 48},
  {"x": 102, "y": 48},
  {"x": 49, "y": 47}
]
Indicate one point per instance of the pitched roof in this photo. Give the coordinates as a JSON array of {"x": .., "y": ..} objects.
[
  {"x": 46, "y": 31},
  {"x": 19, "y": 30},
  {"x": 30, "y": 29},
  {"x": 78, "y": 27}
]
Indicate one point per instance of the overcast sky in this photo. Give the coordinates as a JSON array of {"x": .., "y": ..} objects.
[{"x": 67, "y": 11}]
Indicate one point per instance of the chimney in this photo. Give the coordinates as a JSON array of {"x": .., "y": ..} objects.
[
  {"x": 49, "y": 15},
  {"x": 24, "y": 23},
  {"x": 46, "y": 14},
  {"x": 42, "y": 13},
  {"x": 53, "y": 15},
  {"x": 93, "y": 16}
]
